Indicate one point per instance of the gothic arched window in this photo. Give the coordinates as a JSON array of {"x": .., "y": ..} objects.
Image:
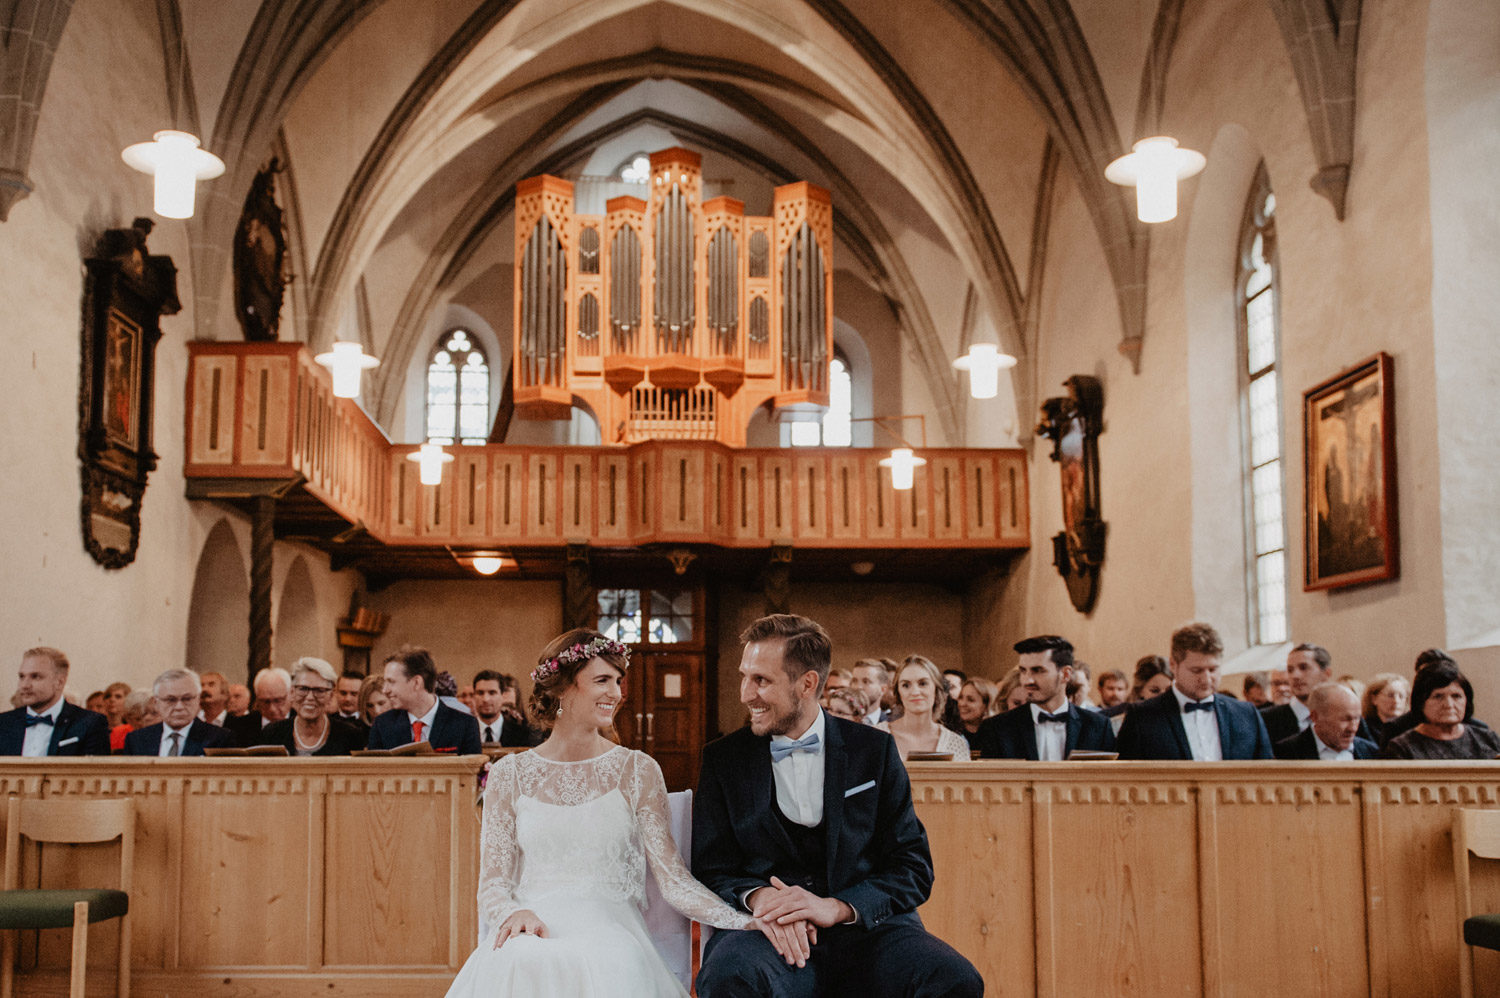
[
  {"x": 835, "y": 429},
  {"x": 458, "y": 390},
  {"x": 1260, "y": 381}
]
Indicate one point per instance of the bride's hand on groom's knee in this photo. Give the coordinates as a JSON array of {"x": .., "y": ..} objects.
[
  {"x": 793, "y": 941},
  {"x": 520, "y": 923},
  {"x": 785, "y": 904}
]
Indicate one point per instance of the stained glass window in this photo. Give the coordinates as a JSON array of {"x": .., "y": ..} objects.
[
  {"x": 1260, "y": 348},
  {"x": 458, "y": 390}
]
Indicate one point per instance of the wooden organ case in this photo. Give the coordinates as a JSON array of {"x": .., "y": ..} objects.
[{"x": 672, "y": 318}]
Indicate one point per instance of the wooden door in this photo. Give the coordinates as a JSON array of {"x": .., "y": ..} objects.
[{"x": 672, "y": 705}]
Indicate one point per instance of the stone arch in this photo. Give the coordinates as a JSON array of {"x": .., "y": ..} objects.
[
  {"x": 218, "y": 633},
  {"x": 300, "y": 627}
]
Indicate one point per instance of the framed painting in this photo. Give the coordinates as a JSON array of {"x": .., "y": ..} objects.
[{"x": 1349, "y": 461}]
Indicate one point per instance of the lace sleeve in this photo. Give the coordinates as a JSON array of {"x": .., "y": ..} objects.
[
  {"x": 499, "y": 858},
  {"x": 952, "y": 741},
  {"x": 648, "y": 793}
]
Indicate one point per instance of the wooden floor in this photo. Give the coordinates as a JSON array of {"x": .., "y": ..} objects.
[{"x": 295, "y": 877}]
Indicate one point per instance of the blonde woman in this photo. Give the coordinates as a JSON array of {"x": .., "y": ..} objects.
[{"x": 916, "y": 722}]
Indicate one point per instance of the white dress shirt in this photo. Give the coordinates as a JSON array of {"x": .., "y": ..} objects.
[
  {"x": 1202, "y": 727},
  {"x": 1304, "y": 716},
  {"x": 39, "y": 736},
  {"x": 799, "y": 777},
  {"x": 1051, "y": 737},
  {"x": 489, "y": 731},
  {"x": 1332, "y": 754},
  {"x": 167, "y": 731},
  {"x": 217, "y": 721},
  {"x": 426, "y": 720}
]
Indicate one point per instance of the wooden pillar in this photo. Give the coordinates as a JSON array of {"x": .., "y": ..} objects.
[
  {"x": 580, "y": 602},
  {"x": 262, "y": 541}
]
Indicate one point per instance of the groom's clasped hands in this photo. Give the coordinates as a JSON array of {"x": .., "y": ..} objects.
[{"x": 790, "y": 917}]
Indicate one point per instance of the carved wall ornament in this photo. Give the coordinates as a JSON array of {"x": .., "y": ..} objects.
[
  {"x": 260, "y": 259},
  {"x": 1073, "y": 424},
  {"x": 125, "y": 293}
]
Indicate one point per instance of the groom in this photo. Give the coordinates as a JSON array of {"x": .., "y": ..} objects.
[{"x": 806, "y": 821}]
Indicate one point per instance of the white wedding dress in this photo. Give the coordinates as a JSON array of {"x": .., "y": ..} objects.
[{"x": 570, "y": 841}]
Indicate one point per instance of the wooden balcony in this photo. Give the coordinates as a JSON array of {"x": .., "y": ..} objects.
[{"x": 262, "y": 420}]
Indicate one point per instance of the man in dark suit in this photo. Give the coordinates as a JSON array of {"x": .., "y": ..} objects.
[
  {"x": 1333, "y": 735},
  {"x": 1188, "y": 721},
  {"x": 345, "y": 702},
  {"x": 806, "y": 821},
  {"x": 178, "y": 694},
  {"x": 1307, "y": 665},
  {"x": 1048, "y": 726},
  {"x": 497, "y": 705},
  {"x": 872, "y": 677},
  {"x": 416, "y": 714},
  {"x": 273, "y": 702},
  {"x": 44, "y": 723}
]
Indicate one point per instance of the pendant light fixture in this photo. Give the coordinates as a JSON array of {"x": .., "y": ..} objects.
[
  {"x": 173, "y": 157},
  {"x": 984, "y": 362},
  {"x": 1154, "y": 169},
  {"x": 903, "y": 464},
  {"x": 430, "y": 457},
  {"x": 348, "y": 361}
]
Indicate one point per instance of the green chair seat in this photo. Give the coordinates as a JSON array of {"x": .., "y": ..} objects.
[
  {"x": 1483, "y": 930},
  {"x": 36, "y": 909}
]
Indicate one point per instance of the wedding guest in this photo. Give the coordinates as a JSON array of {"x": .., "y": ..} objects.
[
  {"x": 837, "y": 679},
  {"x": 344, "y": 704},
  {"x": 1333, "y": 735},
  {"x": 140, "y": 712},
  {"x": 95, "y": 702},
  {"x": 1442, "y": 697},
  {"x": 43, "y": 722},
  {"x": 1384, "y": 700},
  {"x": 417, "y": 714},
  {"x": 114, "y": 701},
  {"x": 178, "y": 693},
  {"x": 1080, "y": 685},
  {"x": 1011, "y": 693},
  {"x": 1153, "y": 677},
  {"x": 1049, "y": 726},
  {"x": 976, "y": 703},
  {"x": 1308, "y": 665},
  {"x": 273, "y": 701},
  {"x": 920, "y": 697},
  {"x": 872, "y": 677},
  {"x": 1280, "y": 688},
  {"x": 1254, "y": 689},
  {"x": 215, "y": 702},
  {"x": 238, "y": 703},
  {"x": 372, "y": 699},
  {"x": 953, "y": 682},
  {"x": 1403, "y": 723},
  {"x": 848, "y": 704},
  {"x": 1113, "y": 688},
  {"x": 311, "y": 730},
  {"x": 466, "y": 696},
  {"x": 500, "y": 719}
]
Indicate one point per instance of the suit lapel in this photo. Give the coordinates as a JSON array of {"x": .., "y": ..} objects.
[
  {"x": 1070, "y": 740},
  {"x": 834, "y": 782},
  {"x": 763, "y": 794},
  {"x": 60, "y": 729},
  {"x": 1174, "y": 717},
  {"x": 1028, "y": 734},
  {"x": 1225, "y": 720},
  {"x": 193, "y": 743},
  {"x": 13, "y": 734}
]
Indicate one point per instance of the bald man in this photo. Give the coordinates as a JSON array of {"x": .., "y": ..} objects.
[{"x": 1333, "y": 734}]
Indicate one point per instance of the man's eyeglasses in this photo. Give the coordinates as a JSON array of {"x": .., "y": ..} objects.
[
  {"x": 311, "y": 691},
  {"x": 174, "y": 701}
]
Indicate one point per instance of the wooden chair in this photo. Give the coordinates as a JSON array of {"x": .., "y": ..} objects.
[
  {"x": 1477, "y": 832},
  {"x": 70, "y": 821}
]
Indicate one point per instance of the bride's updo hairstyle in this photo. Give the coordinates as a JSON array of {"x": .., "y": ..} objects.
[{"x": 561, "y": 661}]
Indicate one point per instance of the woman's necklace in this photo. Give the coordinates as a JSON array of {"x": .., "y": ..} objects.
[{"x": 315, "y": 744}]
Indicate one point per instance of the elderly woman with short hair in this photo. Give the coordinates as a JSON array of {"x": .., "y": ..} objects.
[{"x": 311, "y": 730}]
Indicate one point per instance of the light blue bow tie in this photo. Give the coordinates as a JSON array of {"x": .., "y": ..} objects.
[{"x": 807, "y": 743}]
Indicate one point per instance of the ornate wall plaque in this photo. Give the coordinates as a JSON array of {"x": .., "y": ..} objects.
[
  {"x": 1073, "y": 424},
  {"x": 125, "y": 293},
  {"x": 260, "y": 259}
]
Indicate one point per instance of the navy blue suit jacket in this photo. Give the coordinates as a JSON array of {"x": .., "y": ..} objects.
[
  {"x": 1302, "y": 746},
  {"x": 878, "y": 860},
  {"x": 201, "y": 735},
  {"x": 1012, "y": 735},
  {"x": 77, "y": 732},
  {"x": 1153, "y": 730},
  {"x": 452, "y": 731}
]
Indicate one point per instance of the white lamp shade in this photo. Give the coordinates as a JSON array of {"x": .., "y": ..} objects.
[
  {"x": 486, "y": 564},
  {"x": 430, "y": 459},
  {"x": 1153, "y": 169},
  {"x": 984, "y": 362},
  {"x": 175, "y": 160},
  {"x": 903, "y": 464},
  {"x": 347, "y": 361}
]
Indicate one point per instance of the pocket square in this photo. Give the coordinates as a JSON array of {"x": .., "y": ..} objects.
[
  {"x": 859, "y": 789},
  {"x": 67, "y": 741}
]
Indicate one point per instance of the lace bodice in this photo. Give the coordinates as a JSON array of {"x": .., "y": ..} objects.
[
  {"x": 588, "y": 828},
  {"x": 948, "y": 741}
]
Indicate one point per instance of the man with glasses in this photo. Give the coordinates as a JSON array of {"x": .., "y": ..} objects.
[
  {"x": 273, "y": 701},
  {"x": 177, "y": 694}
]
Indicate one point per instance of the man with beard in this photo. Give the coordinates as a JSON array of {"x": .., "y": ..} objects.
[
  {"x": 1047, "y": 727},
  {"x": 806, "y": 821}
]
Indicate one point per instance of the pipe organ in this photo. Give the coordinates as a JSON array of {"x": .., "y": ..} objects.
[{"x": 672, "y": 318}]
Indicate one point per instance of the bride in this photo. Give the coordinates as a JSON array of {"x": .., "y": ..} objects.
[{"x": 568, "y": 830}]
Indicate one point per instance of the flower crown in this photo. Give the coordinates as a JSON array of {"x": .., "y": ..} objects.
[{"x": 581, "y": 652}]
